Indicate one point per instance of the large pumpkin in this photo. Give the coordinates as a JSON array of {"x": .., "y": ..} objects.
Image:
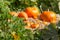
[
  {"x": 48, "y": 16},
  {"x": 32, "y": 12}
]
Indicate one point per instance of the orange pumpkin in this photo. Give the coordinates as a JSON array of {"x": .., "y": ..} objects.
[
  {"x": 34, "y": 26},
  {"x": 32, "y": 12},
  {"x": 23, "y": 15},
  {"x": 48, "y": 16},
  {"x": 13, "y": 13}
]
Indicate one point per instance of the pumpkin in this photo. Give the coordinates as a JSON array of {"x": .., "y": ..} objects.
[
  {"x": 23, "y": 15},
  {"x": 32, "y": 12},
  {"x": 48, "y": 16}
]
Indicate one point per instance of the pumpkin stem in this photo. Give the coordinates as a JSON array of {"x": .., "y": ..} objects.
[
  {"x": 41, "y": 9},
  {"x": 48, "y": 9}
]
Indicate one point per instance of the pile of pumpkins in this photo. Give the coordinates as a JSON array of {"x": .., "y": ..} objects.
[{"x": 33, "y": 12}]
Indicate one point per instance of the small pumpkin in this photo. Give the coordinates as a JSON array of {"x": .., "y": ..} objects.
[
  {"x": 23, "y": 15},
  {"x": 13, "y": 13},
  {"x": 34, "y": 26}
]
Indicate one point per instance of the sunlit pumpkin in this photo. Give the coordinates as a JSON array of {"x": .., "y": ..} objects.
[
  {"x": 23, "y": 15},
  {"x": 13, "y": 13},
  {"x": 32, "y": 12},
  {"x": 48, "y": 16}
]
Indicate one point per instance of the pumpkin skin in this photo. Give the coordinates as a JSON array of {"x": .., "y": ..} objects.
[
  {"x": 32, "y": 12},
  {"x": 48, "y": 16},
  {"x": 23, "y": 15}
]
